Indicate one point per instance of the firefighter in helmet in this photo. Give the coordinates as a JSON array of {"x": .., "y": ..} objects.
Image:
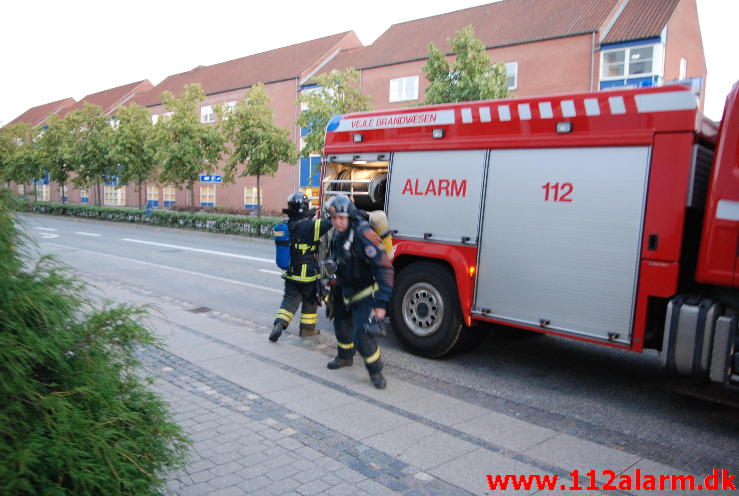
[
  {"x": 364, "y": 281},
  {"x": 302, "y": 277}
]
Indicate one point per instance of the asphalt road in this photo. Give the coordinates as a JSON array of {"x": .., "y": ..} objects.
[{"x": 604, "y": 395}]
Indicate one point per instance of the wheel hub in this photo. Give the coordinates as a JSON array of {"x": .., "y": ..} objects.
[{"x": 423, "y": 309}]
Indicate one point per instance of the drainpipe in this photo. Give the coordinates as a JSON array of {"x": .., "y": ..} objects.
[{"x": 592, "y": 59}]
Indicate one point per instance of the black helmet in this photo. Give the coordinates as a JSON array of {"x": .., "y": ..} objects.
[
  {"x": 298, "y": 204},
  {"x": 340, "y": 205}
]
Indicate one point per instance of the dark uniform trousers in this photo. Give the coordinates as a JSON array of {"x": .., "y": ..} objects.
[
  {"x": 295, "y": 294},
  {"x": 301, "y": 279},
  {"x": 349, "y": 321}
]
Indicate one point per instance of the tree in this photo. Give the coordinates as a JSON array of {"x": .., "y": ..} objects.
[
  {"x": 254, "y": 141},
  {"x": 337, "y": 93},
  {"x": 473, "y": 76},
  {"x": 88, "y": 152},
  {"x": 54, "y": 147},
  {"x": 185, "y": 147},
  {"x": 76, "y": 417},
  {"x": 20, "y": 155},
  {"x": 133, "y": 146}
]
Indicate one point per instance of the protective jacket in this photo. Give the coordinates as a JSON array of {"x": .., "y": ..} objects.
[
  {"x": 304, "y": 236},
  {"x": 363, "y": 267}
]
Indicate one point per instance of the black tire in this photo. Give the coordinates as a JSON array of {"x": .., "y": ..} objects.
[{"x": 425, "y": 311}]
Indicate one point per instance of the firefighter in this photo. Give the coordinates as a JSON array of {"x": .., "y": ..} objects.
[
  {"x": 364, "y": 281},
  {"x": 302, "y": 276}
]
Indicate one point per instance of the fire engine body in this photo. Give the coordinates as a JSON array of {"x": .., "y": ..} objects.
[{"x": 608, "y": 217}]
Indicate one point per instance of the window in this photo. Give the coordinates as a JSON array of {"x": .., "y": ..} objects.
[
  {"x": 308, "y": 91},
  {"x": 206, "y": 114},
  {"x": 683, "y": 68},
  {"x": 152, "y": 196},
  {"x": 169, "y": 195},
  {"x": 21, "y": 191},
  {"x": 404, "y": 89},
  {"x": 207, "y": 195},
  {"x": 250, "y": 197},
  {"x": 84, "y": 195},
  {"x": 114, "y": 196},
  {"x": 167, "y": 116},
  {"x": 631, "y": 61},
  {"x": 511, "y": 70},
  {"x": 115, "y": 123},
  {"x": 44, "y": 192},
  {"x": 154, "y": 118}
]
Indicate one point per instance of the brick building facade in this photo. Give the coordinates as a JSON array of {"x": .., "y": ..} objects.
[{"x": 548, "y": 46}]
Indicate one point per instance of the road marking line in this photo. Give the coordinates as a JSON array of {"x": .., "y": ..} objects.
[
  {"x": 271, "y": 271},
  {"x": 216, "y": 278},
  {"x": 86, "y": 234},
  {"x": 46, "y": 235},
  {"x": 200, "y": 250},
  {"x": 45, "y": 229}
]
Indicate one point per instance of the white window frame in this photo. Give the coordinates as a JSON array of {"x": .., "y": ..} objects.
[
  {"x": 657, "y": 66},
  {"x": 44, "y": 192},
  {"x": 207, "y": 114},
  {"x": 22, "y": 190},
  {"x": 250, "y": 193},
  {"x": 228, "y": 108},
  {"x": 169, "y": 194},
  {"x": 152, "y": 193},
  {"x": 403, "y": 89},
  {"x": 114, "y": 196},
  {"x": 154, "y": 118},
  {"x": 683, "y": 68},
  {"x": 511, "y": 67},
  {"x": 84, "y": 193},
  {"x": 207, "y": 190}
]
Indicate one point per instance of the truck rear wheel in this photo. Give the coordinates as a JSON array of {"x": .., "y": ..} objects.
[{"x": 426, "y": 314}]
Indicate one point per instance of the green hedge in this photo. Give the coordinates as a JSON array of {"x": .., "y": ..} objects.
[{"x": 225, "y": 224}]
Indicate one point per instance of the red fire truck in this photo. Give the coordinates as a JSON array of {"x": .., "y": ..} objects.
[{"x": 609, "y": 217}]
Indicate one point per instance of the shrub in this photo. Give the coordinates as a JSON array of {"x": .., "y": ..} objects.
[
  {"x": 75, "y": 417},
  {"x": 217, "y": 223}
]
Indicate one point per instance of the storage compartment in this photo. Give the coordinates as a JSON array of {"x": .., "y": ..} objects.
[{"x": 363, "y": 178}]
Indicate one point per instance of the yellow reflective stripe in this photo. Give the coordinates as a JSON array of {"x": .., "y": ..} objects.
[
  {"x": 303, "y": 270},
  {"x": 303, "y": 279},
  {"x": 345, "y": 346},
  {"x": 309, "y": 318},
  {"x": 284, "y": 315},
  {"x": 362, "y": 294},
  {"x": 317, "y": 230},
  {"x": 374, "y": 357}
]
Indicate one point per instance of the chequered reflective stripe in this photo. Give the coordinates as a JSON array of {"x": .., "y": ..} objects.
[
  {"x": 344, "y": 346},
  {"x": 284, "y": 315},
  {"x": 309, "y": 318},
  {"x": 373, "y": 357},
  {"x": 592, "y": 107}
]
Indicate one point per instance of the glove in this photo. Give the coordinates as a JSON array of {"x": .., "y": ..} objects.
[{"x": 377, "y": 328}]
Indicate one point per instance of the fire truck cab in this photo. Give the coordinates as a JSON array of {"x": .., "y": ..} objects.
[{"x": 608, "y": 217}]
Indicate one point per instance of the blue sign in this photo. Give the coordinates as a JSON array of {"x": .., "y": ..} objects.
[{"x": 206, "y": 178}]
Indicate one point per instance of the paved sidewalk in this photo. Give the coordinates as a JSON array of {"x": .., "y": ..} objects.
[{"x": 270, "y": 419}]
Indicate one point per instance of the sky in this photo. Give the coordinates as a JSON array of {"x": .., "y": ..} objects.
[{"x": 58, "y": 49}]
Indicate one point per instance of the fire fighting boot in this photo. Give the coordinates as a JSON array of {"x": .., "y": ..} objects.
[
  {"x": 304, "y": 333},
  {"x": 337, "y": 363},
  {"x": 378, "y": 380},
  {"x": 276, "y": 332}
]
